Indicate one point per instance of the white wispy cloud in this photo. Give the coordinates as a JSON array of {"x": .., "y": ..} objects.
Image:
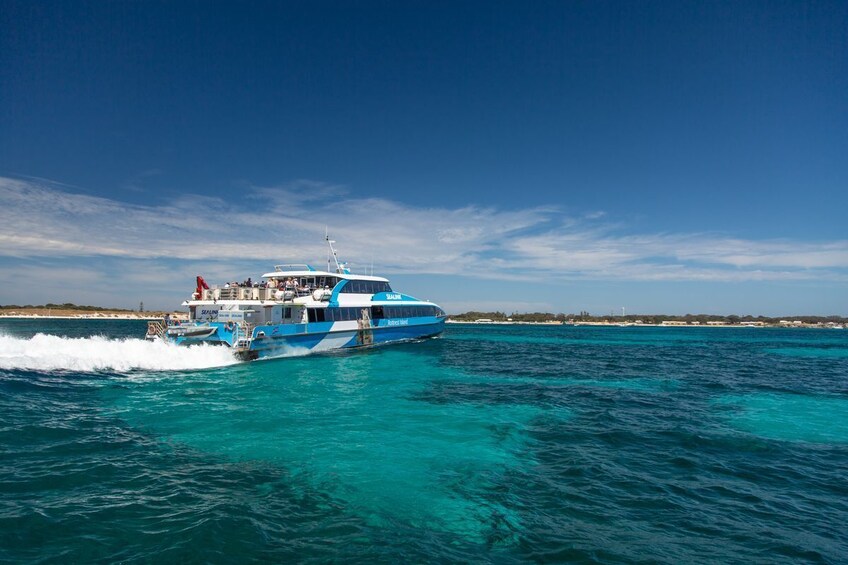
[{"x": 286, "y": 223}]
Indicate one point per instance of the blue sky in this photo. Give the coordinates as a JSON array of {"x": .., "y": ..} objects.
[{"x": 668, "y": 156}]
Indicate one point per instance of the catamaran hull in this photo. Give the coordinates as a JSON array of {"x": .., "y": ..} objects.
[
  {"x": 265, "y": 344},
  {"x": 301, "y": 309},
  {"x": 289, "y": 345}
]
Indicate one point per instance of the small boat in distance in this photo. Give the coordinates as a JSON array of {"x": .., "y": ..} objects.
[{"x": 299, "y": 307}]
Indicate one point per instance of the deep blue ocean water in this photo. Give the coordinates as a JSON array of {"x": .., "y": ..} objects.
[{"x": 491, "y": 443}]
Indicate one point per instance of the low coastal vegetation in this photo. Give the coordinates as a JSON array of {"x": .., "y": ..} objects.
[
  {"x": 70, "y": 310},
  {"x": 648, "y": 319},
  {"x": 65, "y": 306}
]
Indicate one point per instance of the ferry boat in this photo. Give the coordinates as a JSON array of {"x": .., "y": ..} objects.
[{"x": 299, "y": 307}]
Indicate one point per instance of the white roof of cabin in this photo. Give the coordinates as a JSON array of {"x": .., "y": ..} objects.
[{"x": 307, "y": 273}]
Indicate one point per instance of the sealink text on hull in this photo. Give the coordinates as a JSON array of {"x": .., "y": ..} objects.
[{"x": 299, "y": 307}]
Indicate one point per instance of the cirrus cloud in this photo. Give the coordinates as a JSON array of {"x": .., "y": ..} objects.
[{"x": 44, "y": 219}]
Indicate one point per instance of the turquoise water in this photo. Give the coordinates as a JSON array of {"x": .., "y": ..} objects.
[{"x": 491, "y": 443}]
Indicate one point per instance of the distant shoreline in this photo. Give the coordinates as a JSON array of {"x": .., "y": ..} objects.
[
  {"x": 66, "y": 314},
  {"x": 645, "y": 325},
  {"x": 40, "y": 313},
  {"x": 80, "y": 317}
]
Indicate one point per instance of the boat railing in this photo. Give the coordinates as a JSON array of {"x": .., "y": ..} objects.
[
  {"x": 242, "y": 334},
  {"x": 262, "y": 291},
  {"x": 239, "y": 293},
  {"x": 155, "y": 328},
  {"x": 293, "y": 267}
]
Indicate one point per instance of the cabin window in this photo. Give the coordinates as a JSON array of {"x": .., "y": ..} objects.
[
  {"x": 378, "y": 312},
  {"x": 329, "y": 282},
  {"x": 366, "y": 287},
  {"x": 344, "y": 314},
  {"x": 315, "y": 315}
]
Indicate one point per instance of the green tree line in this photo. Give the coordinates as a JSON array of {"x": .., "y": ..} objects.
[
  {"x": 65, "y": 306},
  {"x": 645, "y": 318}
]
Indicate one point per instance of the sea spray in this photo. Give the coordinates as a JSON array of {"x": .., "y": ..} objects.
[{"x": 96, "y": 353}]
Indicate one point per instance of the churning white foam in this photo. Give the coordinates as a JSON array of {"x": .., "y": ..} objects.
[{"x": 90, "y": 354}]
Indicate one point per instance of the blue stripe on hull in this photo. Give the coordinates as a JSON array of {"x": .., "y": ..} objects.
[
  {"x": 398, "y": 333},
  {"x": 328, "y": 340}
]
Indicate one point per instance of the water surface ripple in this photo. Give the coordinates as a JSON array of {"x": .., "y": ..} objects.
[{"x": 491, "y": 443}]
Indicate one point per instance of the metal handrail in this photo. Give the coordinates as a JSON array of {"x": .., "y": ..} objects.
[
  {"x": 243, "y": 331},
  {"x": 292, "y": 267},
  {"x": 155, "y": 328}
]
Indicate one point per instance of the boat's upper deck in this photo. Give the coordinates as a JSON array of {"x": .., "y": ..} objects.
[
  {"x": 301, "y": 283},
  {"x": 298, "y": 288},
  {"x": 304, "y": 270},
  {"x": 294, "y": 285}
]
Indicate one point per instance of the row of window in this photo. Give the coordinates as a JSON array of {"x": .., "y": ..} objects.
[
  {"x": 334, "y": 314},
  {"x": 376, "y": 313},
  {"x": 366, "y": 287}
]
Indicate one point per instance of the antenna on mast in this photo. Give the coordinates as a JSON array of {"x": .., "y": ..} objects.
[
  {"x": 332, "y": 251},
  {"x": 327, "y": 238}
]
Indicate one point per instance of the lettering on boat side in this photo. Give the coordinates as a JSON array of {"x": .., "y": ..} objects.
[
  {"x": 397, "y": 322},
  {"x": 393, "y": 296}
]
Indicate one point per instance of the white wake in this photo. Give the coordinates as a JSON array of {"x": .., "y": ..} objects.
[{"x": 91, "y": 354}]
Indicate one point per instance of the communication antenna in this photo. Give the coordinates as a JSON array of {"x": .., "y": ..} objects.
[{"x": 332, "y": 251}]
